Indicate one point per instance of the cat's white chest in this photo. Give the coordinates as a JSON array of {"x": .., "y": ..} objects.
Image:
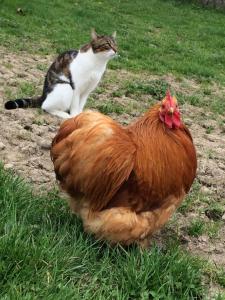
[
  {"x": 93, "y": 80},
  {"x": 86, "y": 71}
]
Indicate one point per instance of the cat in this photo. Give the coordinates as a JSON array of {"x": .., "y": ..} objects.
[{"x": 72, "y": 77}]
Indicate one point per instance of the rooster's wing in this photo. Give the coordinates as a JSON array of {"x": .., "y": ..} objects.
[{"x": 92, "y": 155}]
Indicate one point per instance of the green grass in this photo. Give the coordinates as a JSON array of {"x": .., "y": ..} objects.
[
  {"x": 212, "y": 228},
  {"x": 200, "y": 203},
  {"x": 194, "y": 198},
  {"x": 199, "y": 227},
  {"x": 196, "y": 228},
  {"x": 178, "y": 37},
  {"x": 221, "y": 277},
  {"x": 215, "y": 211},
  {"x": 214, "y": 104},
  {"x": 156, "y": 88},
  {"x": 109, "y": 107},
  {"x": 146, "y": 89},
  {"x": 24, "y": 88},
  {"x": 45, "y": 255}
]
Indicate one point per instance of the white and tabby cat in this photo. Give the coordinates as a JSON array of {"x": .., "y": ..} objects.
[{"x": 72, "y": 77}]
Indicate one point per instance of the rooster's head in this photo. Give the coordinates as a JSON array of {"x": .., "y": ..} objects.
[{"x": 169, "y": 112}]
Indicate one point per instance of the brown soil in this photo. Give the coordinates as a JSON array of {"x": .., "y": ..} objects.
[{"x": 26, "y": 136}]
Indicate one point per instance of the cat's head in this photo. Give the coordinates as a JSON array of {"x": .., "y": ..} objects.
[{"x": 104, "y": 45}]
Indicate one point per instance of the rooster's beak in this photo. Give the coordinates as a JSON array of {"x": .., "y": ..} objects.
[{"x": 171, "y": 110}]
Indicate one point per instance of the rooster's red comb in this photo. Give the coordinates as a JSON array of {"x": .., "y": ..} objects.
[{"x": 168, "y": 96}]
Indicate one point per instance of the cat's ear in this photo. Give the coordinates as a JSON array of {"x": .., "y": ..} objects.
[
  {"x": 93, "y": 34},
  {"x": 114, "y": 34}
]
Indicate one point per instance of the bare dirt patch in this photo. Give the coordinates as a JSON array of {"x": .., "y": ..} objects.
[{"x": 26, "y": 136}]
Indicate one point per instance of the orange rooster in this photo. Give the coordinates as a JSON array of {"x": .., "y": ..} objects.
[{"x": 125, "y": 182}]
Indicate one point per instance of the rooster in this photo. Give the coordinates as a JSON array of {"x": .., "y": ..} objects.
[{"x": 125, "y": 182}]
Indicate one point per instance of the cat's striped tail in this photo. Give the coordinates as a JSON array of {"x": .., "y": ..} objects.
[{"x": 24, "y": 103}]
